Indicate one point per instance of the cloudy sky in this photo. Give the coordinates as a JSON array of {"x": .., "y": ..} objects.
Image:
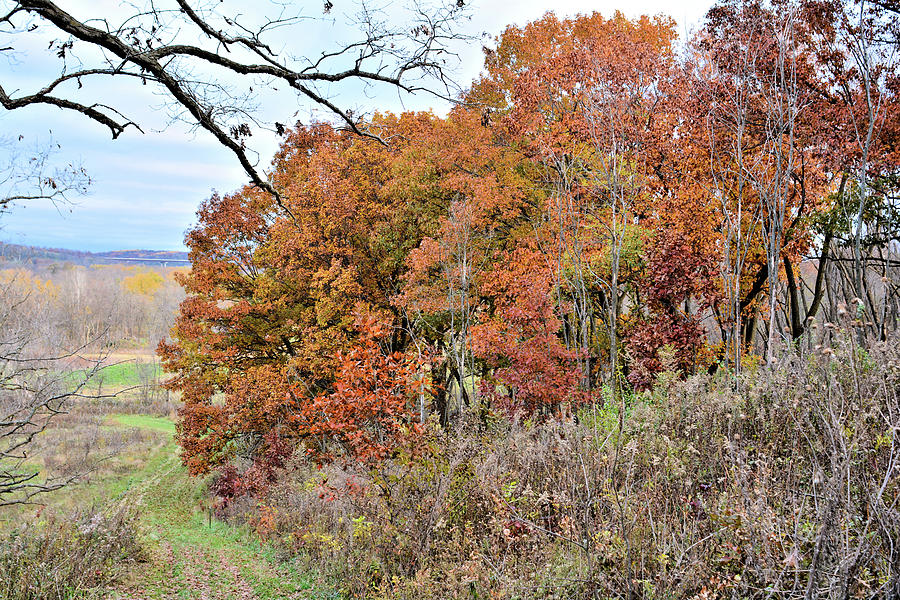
[{"x": 146, "y": 187}]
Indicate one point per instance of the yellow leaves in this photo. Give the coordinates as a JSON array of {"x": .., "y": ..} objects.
[
  {"x": 143, "y": 283},
  {"x": 27, "y": 283}
]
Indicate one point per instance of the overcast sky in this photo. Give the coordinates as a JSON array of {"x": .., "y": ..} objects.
[{"x": 146, "y": 187}]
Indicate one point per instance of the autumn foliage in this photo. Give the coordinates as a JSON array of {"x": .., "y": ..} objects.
[{"x": 607, "y": 204}]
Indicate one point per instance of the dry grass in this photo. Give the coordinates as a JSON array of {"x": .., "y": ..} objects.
[
  {"x": 78, "y": 555},
  {"x": 784, "y": 484}
]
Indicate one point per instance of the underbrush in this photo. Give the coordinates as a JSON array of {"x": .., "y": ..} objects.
[
  {"x": 80, "y": 443},
  {"x": 74, "y": 556},
  {"x": 131, "y": 382},
  {"x": 780, "y": 484}
]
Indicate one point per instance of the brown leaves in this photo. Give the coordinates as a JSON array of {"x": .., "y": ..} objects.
[
  {"x": 589, "y": 190},
  {"x": 368, "y": 413}
]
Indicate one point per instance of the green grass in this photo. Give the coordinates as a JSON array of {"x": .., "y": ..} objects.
[
  {"x": 161, "y": 424},
  {"x": 192, "y": 554},
  {"x": 128, "y": 373},
  {"x": 119, "y": 375}
]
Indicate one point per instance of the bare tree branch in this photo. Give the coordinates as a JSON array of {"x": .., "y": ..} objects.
[
  {"x": 149, "y": 46},
  {"x": 28, "y": 174}
]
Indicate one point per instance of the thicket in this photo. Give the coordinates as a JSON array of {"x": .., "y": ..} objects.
[
  {"x": 783, "y": 483},
  {"x": 61, "y": 557}
]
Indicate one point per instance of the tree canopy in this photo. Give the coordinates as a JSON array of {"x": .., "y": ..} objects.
[{"x": 605, "y": 204}]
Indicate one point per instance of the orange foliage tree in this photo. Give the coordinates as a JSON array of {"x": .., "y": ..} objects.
[
  {"x": 274, "y": 289},
  {"x": 598, "y": 190}
]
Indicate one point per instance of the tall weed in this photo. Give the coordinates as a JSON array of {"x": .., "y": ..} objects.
[
  {"x": 78, "y": 556},
  {"x": 784, "y": 483}
]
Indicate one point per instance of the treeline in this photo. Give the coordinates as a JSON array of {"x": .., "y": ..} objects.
[
  {"x": 73, "y": 308},
  {"x": 606, "y": 199},
  {"x": 49, "y": 258}
]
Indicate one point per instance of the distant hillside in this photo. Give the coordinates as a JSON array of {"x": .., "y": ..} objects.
[
  {"x": 159, "y": 255},
  {"x": 36, "y": 256}
]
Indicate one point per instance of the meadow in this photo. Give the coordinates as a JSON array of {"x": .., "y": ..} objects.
[{"x": 132, "y": 488}]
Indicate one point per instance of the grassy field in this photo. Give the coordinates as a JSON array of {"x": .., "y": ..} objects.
[
  {"x": 129, "y": 373},
  {"x": 121, "y": 372},
  {"x": 152, "y": 423},
  {"x": 133, "y": 459}
]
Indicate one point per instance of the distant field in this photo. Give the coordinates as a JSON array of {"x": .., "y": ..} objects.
[
  {"x": 118, "y": 375},
  {"x": 129, "y": 373},
  {"x": 161, "y": 424}
]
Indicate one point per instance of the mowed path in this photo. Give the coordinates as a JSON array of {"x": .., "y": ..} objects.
[{"x": 191, "y": 556}]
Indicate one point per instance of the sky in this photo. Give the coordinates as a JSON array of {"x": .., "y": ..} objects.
[{"x": 146, "y": 187}]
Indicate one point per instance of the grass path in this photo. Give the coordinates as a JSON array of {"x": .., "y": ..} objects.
[{"x": 191, "y": 556}]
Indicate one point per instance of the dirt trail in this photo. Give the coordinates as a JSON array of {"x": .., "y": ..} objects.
[{"x": 191, "y": 557}]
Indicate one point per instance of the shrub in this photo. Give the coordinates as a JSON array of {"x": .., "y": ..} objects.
[
  {"x": 78, "y": 556},
  {"x": 782, "y": 484}
]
